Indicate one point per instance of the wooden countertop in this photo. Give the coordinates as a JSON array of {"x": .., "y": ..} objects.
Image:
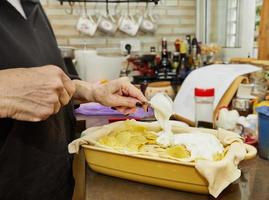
[{"x": 253, "y": 183}]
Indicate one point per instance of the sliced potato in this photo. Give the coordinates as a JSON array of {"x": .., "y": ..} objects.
[{"x": 178, "y": 151}]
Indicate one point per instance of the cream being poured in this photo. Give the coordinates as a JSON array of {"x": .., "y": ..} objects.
[
  {"x": 163, "y": 110},
  {"x": 201, "y": 145}
]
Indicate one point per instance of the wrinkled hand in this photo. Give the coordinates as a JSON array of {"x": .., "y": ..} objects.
[
  {"x": 119, "y": 93},
  {"x": 34, "y": 94}
]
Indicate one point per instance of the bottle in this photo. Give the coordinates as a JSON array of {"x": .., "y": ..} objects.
[
  {"x": 157, "y": 62},
  {"x": 199, "y": 61},
  {"x": 199, "y": 57},
  {"x": 165, "y": 62},
  {"x": 194, "y": 42},
  {"x": 194, "y": 53},
  {"x": 194, "y": 64},
  {"x": 152, "y": 62},
  {"x": 188, "y": 39},
  {"x": 177, "y": 45},
  {"x": 181, "y": 71},
  {"x": 183, "y": 51},
  {"x": 175, "y": 63},
  {"x": 189, "y": 62},
  {"x": 204, "y": 99}
]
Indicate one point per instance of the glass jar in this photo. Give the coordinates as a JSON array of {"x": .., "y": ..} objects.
[{"x": 204, "y": 108}]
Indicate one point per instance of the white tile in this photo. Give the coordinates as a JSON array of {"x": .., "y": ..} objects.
[
  {"x": 171, "y": 2},
  {"x": 62, "y": 41},
  {"x": 184, "y": 30},
  {"x": 188, "y": 21},
  {"x": 65, "y": 32},
  {"x": 169, "y": 21},
  {"x": 164, "y": 30},
  {"x": 88, "y": 41},
  {"x": 187, "y": 2},
  {"x": 71, "y": 22},
  {"x": 181, "y": 12},
  {"x": 54, "y": 11},
  {"x": 148, "y": 40}
]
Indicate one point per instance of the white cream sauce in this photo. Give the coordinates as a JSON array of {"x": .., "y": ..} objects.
[
  {"x": 163, "y": 110},
  {"x": 200, "y": 145}
]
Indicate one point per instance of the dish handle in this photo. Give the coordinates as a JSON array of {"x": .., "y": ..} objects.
[{"x": 251, "y": 152}]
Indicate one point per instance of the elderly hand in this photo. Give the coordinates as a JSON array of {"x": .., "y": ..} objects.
[
  {"x": 34, "y": 94},
  {"x": 119, "y": 93}
]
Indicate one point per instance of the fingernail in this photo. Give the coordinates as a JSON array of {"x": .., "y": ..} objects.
[
  {"x": 113, "y": 108},
  {"x": 138, "y": 104}
]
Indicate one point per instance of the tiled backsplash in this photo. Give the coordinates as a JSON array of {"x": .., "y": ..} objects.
[{"x": 177, "y": 18}]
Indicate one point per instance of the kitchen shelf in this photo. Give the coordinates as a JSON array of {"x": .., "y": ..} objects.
[{"x": 110, "y": 1}]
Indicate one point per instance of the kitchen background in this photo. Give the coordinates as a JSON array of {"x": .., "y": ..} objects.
[{"x": 177, "y": 18}]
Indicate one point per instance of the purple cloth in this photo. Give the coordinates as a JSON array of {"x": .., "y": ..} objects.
[{"x": 95, "y": 109}]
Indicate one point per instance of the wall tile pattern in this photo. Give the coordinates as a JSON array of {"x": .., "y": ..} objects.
[{"x": 177, "y": 18}]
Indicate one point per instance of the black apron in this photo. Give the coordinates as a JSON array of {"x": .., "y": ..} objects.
[{"x": 34, "y": 161}]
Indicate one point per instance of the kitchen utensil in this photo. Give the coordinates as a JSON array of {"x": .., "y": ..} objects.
[
  {"x": 94, "y": 67},
  {"x": 128, "y": 24},
  {"x": 86, "y": 23},
  {"x": 107, "y": 23},
  {"x": 82, "y": 56},
  {"x": 148, "y": 23},
  {"x": 156, "y": 171}
]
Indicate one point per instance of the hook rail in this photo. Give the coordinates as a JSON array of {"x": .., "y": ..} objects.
[{"x": 110, "y": 1}]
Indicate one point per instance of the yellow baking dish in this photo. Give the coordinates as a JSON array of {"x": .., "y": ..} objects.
[{"x": 156, "y": 171}]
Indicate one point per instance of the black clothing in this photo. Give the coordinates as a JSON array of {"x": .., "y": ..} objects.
[{"x": 34, "y": 161}]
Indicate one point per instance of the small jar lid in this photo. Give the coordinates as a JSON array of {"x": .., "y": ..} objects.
[{"x": 200, "y": 92}]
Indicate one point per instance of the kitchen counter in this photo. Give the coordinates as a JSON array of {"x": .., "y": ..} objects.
[{"x": 253, "y": 183}]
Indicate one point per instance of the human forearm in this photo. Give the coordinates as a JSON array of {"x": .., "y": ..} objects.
[
  {"x": 118, "y": 93},
  {"x": 3, "y": 107},
  {"x": 5, "y": 87},
  {"x": 84, "y": 92}
]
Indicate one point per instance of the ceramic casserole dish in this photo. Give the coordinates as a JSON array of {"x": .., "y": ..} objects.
[{"x": 151, "y": 170}]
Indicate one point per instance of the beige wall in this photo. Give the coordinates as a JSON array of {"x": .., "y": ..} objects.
[{"x": 177, "y": 20}]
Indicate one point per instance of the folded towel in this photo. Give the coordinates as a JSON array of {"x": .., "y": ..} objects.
[{"x": 219, "y": 174}]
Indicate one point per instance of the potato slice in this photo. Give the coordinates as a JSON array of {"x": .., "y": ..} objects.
[{"x": 178, "y": 152}]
